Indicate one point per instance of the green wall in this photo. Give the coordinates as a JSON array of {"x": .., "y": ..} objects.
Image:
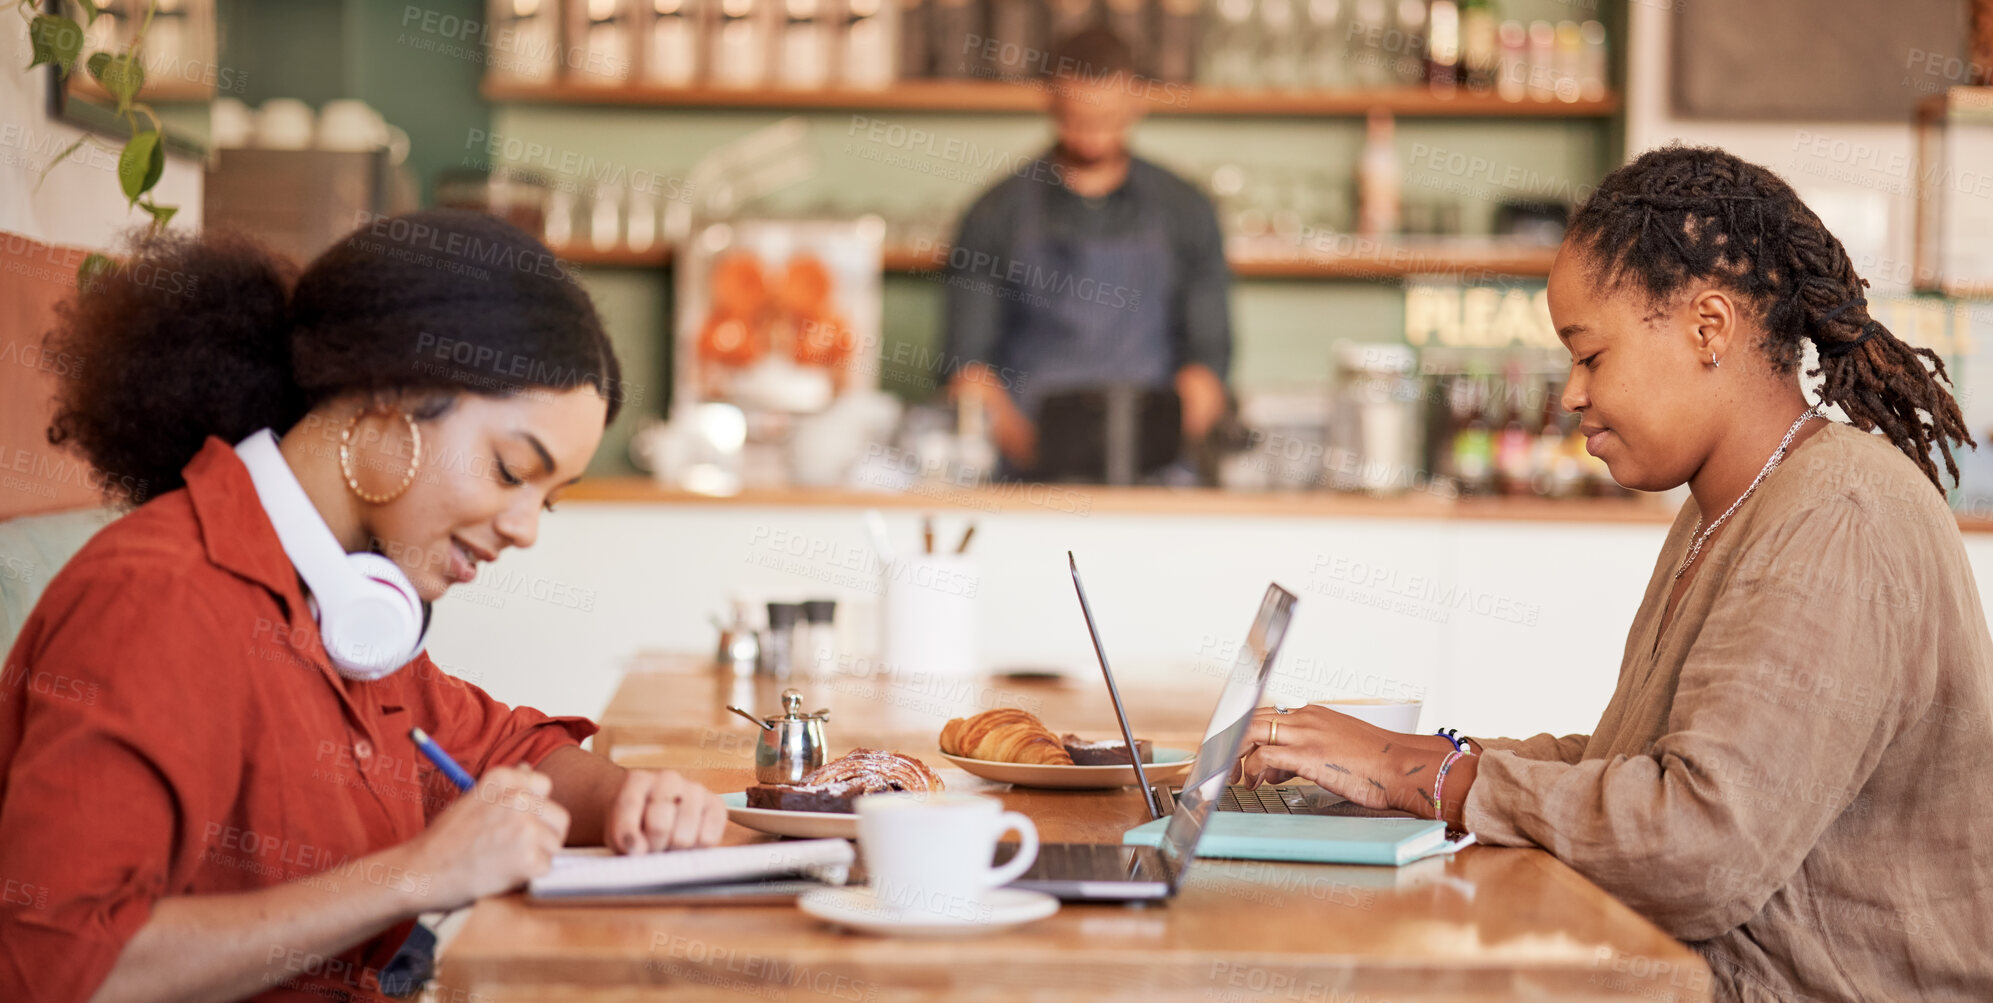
[{"x": 427, "y": 82}]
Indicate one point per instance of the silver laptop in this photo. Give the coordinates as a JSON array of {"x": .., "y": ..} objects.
[{"x": 1113, "y": 872}]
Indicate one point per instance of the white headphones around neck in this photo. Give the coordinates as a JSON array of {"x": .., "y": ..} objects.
[{"x": 370, "y": 618}]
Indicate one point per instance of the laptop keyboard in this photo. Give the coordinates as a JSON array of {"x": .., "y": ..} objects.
[{"x": 1264, "y": 800}]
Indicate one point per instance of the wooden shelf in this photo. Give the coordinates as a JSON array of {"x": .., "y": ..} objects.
[
  {"x": 617, "y": 257},
  {"x": 159, "y": 92},
  {"x": 985, "y": 96},
  {"x": 1373, "y": 261},
  {"x": 1144, "y": 501}
]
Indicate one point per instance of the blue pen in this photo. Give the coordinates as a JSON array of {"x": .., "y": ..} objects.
[{"x": 441, "y": 759}]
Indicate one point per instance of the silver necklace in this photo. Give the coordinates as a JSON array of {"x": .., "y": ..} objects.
[{"x": 1702, "y": 535}]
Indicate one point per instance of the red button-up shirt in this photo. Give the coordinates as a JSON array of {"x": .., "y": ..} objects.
[{"x": 170, "y": 725}]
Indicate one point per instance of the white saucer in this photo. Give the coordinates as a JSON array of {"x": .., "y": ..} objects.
[{"x": 858, "y": 909}]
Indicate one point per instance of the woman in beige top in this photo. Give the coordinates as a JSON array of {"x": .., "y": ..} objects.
[{"x": 1791, "y": 773}]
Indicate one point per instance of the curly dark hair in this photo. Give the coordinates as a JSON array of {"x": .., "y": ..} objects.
[
  {"x": 1683, "y": 214},
  {"x": 189, "y": 337}
]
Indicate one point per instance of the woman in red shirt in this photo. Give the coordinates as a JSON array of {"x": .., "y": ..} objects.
[{"x": 209, "y": 805}]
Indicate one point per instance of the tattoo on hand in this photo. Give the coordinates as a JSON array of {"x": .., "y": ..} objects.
[
  {"x": 1375, "y": 784},
  {"x": 1415, "y": 769},
  {"x": 1387, "y": 747},
  {"x": 1339, "y": 769}
]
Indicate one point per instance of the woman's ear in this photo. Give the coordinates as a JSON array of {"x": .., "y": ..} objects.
[{"x": 1713, "y": 315}]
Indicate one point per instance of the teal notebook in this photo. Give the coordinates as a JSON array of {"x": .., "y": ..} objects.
[{"x": 1317, "y": 839}]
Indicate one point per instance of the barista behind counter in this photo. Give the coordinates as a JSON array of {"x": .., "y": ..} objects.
[{"x": 1094, "y": 269}]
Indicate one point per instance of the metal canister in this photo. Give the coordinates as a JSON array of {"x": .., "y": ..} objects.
[{"x": 791, "y": 745}]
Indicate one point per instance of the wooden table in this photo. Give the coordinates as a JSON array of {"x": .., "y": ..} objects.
[
  {"x": 1490, "y": 924},
  {"x": 679, "y": 703}
]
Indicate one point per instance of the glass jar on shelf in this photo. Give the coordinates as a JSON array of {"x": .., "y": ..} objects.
[
  {"x": 867, "y": 50},
  {"x": 738, "y": 47},
  {"x": 807, "y": 41},
  {"x": 671, "y": 42},
  {"x": 525, "y": 45},
  {"x": 602, "y": 42}
]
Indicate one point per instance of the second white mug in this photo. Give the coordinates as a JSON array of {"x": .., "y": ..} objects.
[{"x": 929, "y": 854}]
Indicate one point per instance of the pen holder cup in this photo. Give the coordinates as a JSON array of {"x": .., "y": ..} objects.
[{"x": 929, "y": 613}]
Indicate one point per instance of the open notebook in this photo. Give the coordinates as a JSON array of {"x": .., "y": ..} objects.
[{"x": 601, "y": 873}]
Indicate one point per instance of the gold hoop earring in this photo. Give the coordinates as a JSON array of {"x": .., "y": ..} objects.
[{"x": 353, "y": 480}]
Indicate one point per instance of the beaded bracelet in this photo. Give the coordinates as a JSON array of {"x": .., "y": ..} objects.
[{"x": 1439, "y": 782}]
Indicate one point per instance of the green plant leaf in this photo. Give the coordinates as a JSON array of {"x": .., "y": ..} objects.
[
  {"x": 161, "y": 214},
  {"x": 122, "y": 75},
  {"x": 57, "y": 40},
  {"x": 93, "y": 266},
  {"x": 141, "y": 164}
]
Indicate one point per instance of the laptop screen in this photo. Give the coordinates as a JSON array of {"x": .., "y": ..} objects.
[{"x": 1226, "y": 735}]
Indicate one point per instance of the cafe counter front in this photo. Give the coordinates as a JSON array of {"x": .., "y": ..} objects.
[{"x": 1505, "y": 616}]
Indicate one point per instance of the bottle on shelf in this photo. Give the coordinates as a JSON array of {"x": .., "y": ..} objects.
[
  {"x": 603, "y": 42},
  {"x": 1020, "y": 26},
  {"x": 1514, "y": 444},
  {"x": 1129, "y": 20},
  {"x": 605, "y": 219},
  {"x": 527, "y": 45},
  {"x": 1480, "y": 49},
  {"x": 1512, "y": 72},
  {"x": 1443, "y": 47},
  {"x": 957, "y": 27},
  {"x": 1370, "y": 22},
  {"x": 867, "y": 50},
  {"x": 1325, "y": 50},
  {"x": 1066, "y": 17},
  {"x": 1569, "y": 60},
  {"x": 1280, "y": 58},
  {"x": 670, "y": 30},
  {"x": 916, "y": 54},
  {"x": 1407, "y": 49},
  {"x": 1231, "y": 43},
  {"x": 806, "y": 41},
  {"x": 1542, "y": 56},
  {"x": 738, "y": 47},
  {"x": 1473, "y": 459},
  {"x": 1592, "y": 63},
  {"x": 1178, "y": 25},
  {"x": 1378, "y": 177},
  {"x": 1558, "y": 472}
]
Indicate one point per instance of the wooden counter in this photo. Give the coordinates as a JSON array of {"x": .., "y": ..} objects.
[
  {"x": 1491, "y": 924},
  {"x": 1088, "y": 499}
]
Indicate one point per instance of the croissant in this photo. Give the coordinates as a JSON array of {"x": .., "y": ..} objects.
[
  {"x": 877, "y": 769},
  {"x": 1004, "y": 735}
]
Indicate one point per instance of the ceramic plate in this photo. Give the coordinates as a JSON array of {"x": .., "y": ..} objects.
[
  {"x": 803, "y": 824},
  {"x": 857, "y": 909},
  {"x": 1171, "y": 765}
]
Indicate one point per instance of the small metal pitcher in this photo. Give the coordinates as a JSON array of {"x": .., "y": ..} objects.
[{"x": 791, "y": 745}]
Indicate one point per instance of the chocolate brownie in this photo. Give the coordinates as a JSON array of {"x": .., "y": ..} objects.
[
  {"x": 833, "y": 797},
  {"x": 1112, "y": 752}
]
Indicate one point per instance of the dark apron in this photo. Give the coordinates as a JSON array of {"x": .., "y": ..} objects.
[{"x": 1089, "y": 312}]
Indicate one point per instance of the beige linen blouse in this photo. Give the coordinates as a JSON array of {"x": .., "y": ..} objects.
[{"x": 1796, "y": 776}]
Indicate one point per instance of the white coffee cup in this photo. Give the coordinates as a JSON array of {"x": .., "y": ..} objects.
[
  {"x": 1390, "y": 715},
  {"x": 929, "y": 853},
  {"x": 284, "y": 124}
]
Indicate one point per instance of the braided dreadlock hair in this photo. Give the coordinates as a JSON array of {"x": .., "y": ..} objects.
[{"x": 1683, "y": 214}]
